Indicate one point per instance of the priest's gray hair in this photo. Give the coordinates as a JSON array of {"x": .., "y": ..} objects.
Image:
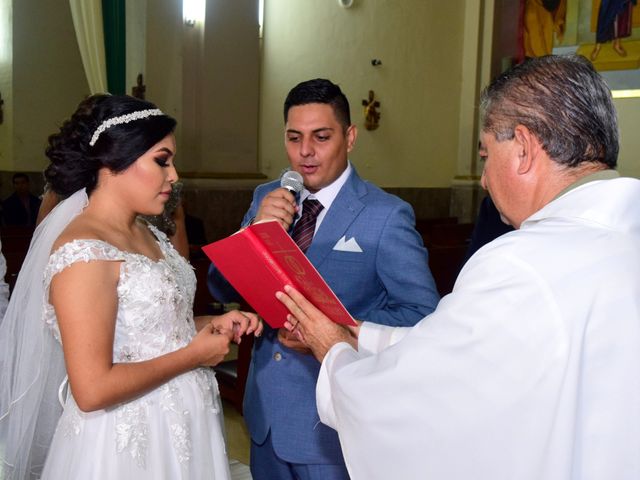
[{"x": 563, "y": 101}]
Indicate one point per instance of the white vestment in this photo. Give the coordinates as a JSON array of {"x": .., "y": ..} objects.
[{"x": 529, "y": 369}]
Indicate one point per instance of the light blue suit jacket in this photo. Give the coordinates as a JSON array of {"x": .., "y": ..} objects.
[{"x": 389, "y": 283}]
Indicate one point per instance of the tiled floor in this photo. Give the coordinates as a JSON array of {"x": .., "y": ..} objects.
[
  {"x": 239, "y": 471},
  {"x": 237, "y": 443},
  {"x": 237, "y": 434}
]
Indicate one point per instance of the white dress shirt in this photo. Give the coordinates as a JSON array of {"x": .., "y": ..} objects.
[{"x": 325, "y": 196}]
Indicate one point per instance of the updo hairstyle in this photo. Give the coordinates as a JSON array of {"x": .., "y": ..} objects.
[{"x": 75, "y": 164}]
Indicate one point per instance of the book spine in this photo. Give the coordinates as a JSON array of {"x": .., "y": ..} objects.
[{"x": 269, "y": 260}]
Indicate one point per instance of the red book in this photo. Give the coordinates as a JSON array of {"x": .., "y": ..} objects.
[{"x": 260, "y": 260}]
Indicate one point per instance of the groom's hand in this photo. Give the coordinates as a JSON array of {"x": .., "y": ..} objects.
[{"x": 291, "y": 340}]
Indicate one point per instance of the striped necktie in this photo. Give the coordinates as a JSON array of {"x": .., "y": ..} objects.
[{"x": 305, "y": 227}]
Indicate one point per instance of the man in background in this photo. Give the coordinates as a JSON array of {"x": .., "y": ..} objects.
[
  {"x": 530, "y": 368},
  {"x": 21, "y": 207},
  {"x": 363, "y": 242}
]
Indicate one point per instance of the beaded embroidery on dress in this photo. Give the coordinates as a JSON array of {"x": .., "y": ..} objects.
[{"x": 174, "y": 431}]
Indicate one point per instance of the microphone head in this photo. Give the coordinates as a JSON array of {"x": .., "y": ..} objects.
[{"x": 292, "y": 181}]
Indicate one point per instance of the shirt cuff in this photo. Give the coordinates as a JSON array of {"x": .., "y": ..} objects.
[{"x": 374, "y": 337}]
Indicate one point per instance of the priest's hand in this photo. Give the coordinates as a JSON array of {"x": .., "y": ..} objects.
[{"x": 311, "y": 326}]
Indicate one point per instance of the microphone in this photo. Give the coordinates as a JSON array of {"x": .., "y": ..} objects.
[{"x": 292, "y": 181}]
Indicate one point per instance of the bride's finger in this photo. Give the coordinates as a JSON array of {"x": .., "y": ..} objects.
[
  {"x": 259, "y": 327},
  {"x": 252, "y": 321},
  {"x": 241, "y": 322}
]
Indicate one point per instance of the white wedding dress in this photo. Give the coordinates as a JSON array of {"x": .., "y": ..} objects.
[{"x": 172, "y": 432}]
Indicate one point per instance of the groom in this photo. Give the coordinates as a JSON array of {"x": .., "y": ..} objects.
[{"x": 364, "y": 245}]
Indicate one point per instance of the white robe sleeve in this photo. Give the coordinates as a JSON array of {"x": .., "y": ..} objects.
[
  {"x": 340, "y": 354},
  {"x": 372, "y": 339},
  {"x": 437, "y": 389}
]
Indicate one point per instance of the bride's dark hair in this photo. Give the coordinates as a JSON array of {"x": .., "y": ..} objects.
[{"x": 75, "y": 163}]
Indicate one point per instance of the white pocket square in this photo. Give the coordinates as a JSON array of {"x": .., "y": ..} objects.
[{"x": 345, "y": 245}]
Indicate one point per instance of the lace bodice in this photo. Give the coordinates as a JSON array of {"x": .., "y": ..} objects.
[
  {"x": 154, "y": 317},
  {"x": 155, "y": 299}
]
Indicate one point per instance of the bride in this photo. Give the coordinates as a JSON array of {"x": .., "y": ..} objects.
[{"x": 118, "y": 298}]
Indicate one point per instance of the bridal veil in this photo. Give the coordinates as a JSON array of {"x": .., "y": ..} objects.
[{"x": 31, "y": 360}]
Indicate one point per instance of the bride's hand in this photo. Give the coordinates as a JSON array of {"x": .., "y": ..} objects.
[
  {"x": 240, "y": 323},
  {"x": 211, "y": 345}
]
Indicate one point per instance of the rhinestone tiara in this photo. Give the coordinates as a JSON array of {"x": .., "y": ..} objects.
[{"x": 129, "y": 117}]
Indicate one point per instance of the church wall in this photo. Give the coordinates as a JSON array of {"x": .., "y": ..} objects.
[
  {"x": 423, "y": 86},
  {"x": 207, "y": 76},
  {"x": 628, "y": 121},
  {"x": 6, "y": 82},
  {"x": 48, "y": 78},
  {"x": 418, "y": 84}
]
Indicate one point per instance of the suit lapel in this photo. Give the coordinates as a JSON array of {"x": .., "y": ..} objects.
[{"x": 344, "y": 210}]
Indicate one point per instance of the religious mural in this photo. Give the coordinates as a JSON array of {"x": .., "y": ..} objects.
[{"x": 605, "y": 31}]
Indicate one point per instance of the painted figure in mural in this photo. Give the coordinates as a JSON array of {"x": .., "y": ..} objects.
[
  {"x": 541, "y": 19},
  {"x": 614, "y": 23}
]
